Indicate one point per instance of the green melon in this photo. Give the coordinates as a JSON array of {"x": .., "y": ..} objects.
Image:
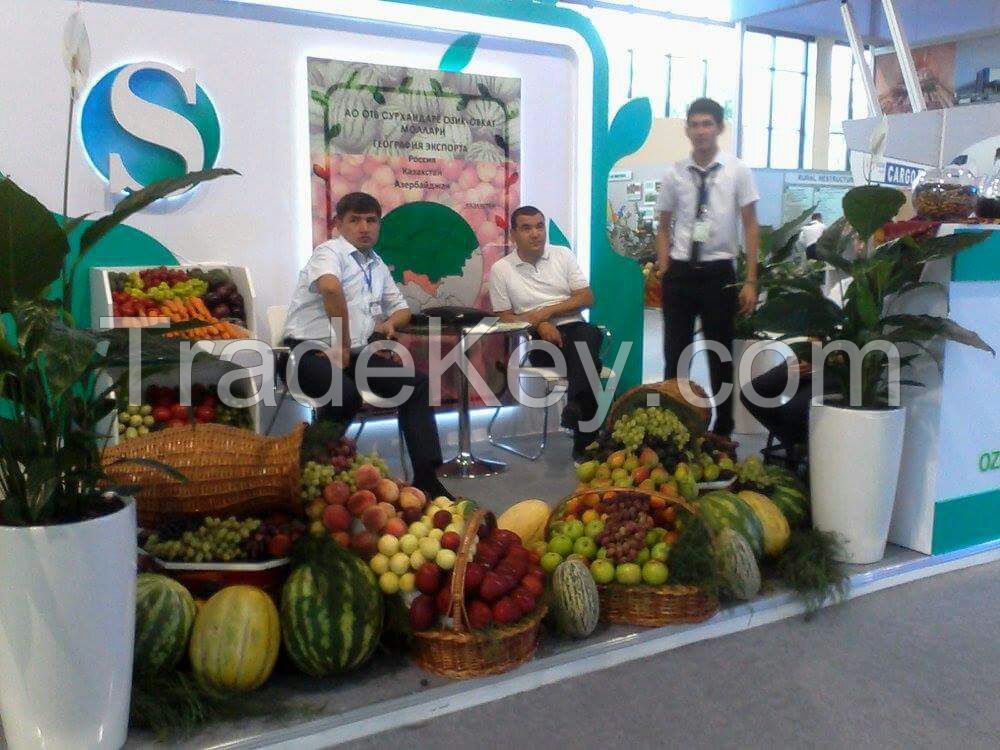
[
  {"x": 164, "y": 616},
  {"x": 737, "y": 565},
  {"x": 575, "y": 604},
  {"x": 331, "y": 614},
  {"x": 722, "y": 510},
  {"x": 793, "y": 502}
]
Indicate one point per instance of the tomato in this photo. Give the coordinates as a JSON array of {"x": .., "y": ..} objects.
[
  {"x": 179, "y": 411},
  {"x": 162, "y": 413},
  {"x": 204, "y": 413},
  {"x": 208, "y": 400},
  {"x": 177, "y": 423}
]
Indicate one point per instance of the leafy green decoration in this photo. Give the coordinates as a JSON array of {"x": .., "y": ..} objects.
[
  {"x": 33, "y": 248},
  {"x": 436, "y": 87},
  {"x": 869, "y": 207},
  {"x": 425, "y": 238},
  {"x": 459, "y": 53}
]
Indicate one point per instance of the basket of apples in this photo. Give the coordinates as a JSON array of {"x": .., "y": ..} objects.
[
  {"x": 483, "y": 617},
  {"x": 627, "y": 536}
]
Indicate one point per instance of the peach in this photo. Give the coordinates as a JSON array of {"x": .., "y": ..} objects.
[
  {"x": 360, "y": 501},
  {"x": 342, "y": 538},
  {"x": 366, "y": 476},
  {"x": 387, "y": 507},
  {"x": 395, "y": 526},
  {"x": 375, "y": 518},
  {"x": 365, "y": 544},
  {"x": 336, "y": 493},
  {"x": 336, "y": 518},
  {"x": 411, "y": 497},
  {"x": 641, "y": 474},
  {"x": 387, "y": 491}
]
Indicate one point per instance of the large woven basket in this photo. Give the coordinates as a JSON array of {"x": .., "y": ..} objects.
[
  {"x": 459, "y": 652},
  {"x": 229, "y": 471},
  {"x": 649, "y": 606}
]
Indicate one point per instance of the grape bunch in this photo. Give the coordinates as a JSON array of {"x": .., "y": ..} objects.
[
  {"x": 274, "y": 538},
  {"x": 625, "y": 528},
  {"x": 341, "y": 453},
  {"x": 215, "y": 540},
  {"x": 315, "y": 476},
  {"x": 632, "y": 429},
  {"x": 752, "y": 472}
]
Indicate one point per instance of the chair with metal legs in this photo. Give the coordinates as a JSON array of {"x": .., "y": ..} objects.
[{"x": 553, "y": 382}]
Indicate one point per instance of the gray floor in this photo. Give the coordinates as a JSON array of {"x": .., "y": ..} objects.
[{"x": 913, "y": 666}]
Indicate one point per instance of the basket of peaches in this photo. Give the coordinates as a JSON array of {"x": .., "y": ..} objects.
[{"x": 627, "y": 536}]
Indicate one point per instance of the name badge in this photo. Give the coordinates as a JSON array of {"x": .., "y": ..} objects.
[
  {"x": 702, "y": 231},
  {"x": 374, "y": 308}
]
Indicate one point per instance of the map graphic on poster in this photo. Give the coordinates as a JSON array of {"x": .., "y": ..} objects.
[{"x": 440, "y": 151}]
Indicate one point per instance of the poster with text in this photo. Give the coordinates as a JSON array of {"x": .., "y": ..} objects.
[{"x": 440, "y": 151}]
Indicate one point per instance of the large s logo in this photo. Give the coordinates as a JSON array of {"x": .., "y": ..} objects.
[{"x": 147, "y": 121}]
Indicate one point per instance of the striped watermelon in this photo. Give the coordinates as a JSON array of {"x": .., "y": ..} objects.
[
  {"x": 575, "y": 604},
  {"x": 737, "y": 565},
  {"x": 793, "y": 502},
  {"x": 722, "y": 510},
  {"x": 331, "y": 613},
  {"x": 164, "y": 616}
]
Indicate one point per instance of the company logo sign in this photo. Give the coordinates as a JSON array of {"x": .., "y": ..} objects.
[{"x": 147, "y": 121}]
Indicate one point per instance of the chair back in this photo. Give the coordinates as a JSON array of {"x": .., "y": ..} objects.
[{"x": 276, "y": 316}]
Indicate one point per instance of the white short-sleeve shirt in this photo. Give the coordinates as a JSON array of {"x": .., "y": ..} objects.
[
  {"x": 730, "y": 188},
  {"x": 519, "y": 286},
  {"x": 370, "y": 292}
]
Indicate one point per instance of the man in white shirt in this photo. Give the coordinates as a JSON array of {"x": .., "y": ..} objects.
[
  {"x": 704, "y": 199},
  {"x": 542, "y": 285},
  {"x": 805, "y": 243},
  {"x": 346, "y": 298}
]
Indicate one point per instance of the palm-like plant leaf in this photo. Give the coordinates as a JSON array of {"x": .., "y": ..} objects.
[
  {"x": 33, "y": 248},
  {"x": 914, "y": 328},
  {"x": 833, "y": 245},
  {"x": 869, "y": 207}
]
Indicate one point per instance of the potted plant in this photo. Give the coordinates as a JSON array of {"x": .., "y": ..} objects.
[
  {"x": 775, "y": 268},
  {"x": 856, "y": 433},
  {"x": 67, "y": 541}
]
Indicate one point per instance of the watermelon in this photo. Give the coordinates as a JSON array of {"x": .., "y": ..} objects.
[
  {"x": 575, "y": 605},
  {"x": 235, "y": 641},
  {"x": 791, "y": 501},
  {"x": 772, "y": 520},
  {"x": 737, "y": 565},
  {"x": 722, "y": 510},
  {"x": 164, "y": 617},
  {"x": 331, "y": 613}
]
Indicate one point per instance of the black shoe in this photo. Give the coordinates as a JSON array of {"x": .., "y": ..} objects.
[
  {"x": 431, "y": 486},
  {"x": 571, "y": 416}
]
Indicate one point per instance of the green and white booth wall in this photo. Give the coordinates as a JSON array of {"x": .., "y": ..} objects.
[{"x": 250, "y": 60}]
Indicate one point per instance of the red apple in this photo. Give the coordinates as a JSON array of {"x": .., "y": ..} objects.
[
  {"x": 428, "y": 578},
  {"x": 474, "y": 573},
  {"x": 365, "y": 544},
  {"x": 524, "y": 600},
  {"x": 493, "y": 586},
  {"x": 451, "y": 540},
  {"x": 359, "y": 502},
  {"x": 342, "y": 538},
  {"x": 441, "y": 519},
  {"x": 480, "y": 614},
  {"x": 412, "y": 514},
  {"x": 336, "y": 518},
  {"x": 422, "y": 612},
  {"x": 506, "y": 611},
  {"x": 442, "y": 601},
  {"x": 533, "y": 585}
]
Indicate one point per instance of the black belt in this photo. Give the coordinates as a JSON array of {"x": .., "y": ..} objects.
[{"x": 711, "y": 266}]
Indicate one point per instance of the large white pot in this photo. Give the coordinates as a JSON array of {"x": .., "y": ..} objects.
[
  {"x": 67, "y": 626},
  {"x": 854, "y": 457}
]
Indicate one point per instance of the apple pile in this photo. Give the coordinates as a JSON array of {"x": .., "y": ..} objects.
[
  {"x": 404, "y": 551},
  {"x": 624, "y": 537},
  {"x": 163, "y": 408},
  {"x": 503, "y": 583}
]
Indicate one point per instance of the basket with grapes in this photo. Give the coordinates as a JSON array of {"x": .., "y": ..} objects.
[{"x": 631, "y": 540}]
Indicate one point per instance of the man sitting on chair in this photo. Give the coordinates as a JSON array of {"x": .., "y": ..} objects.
[
  {"x": 542, "y": 285},
  {"x": 346, "y": 281}
]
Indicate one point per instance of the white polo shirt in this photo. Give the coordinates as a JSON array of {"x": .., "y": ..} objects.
[
  {"x": 370, "y": 292},
  {"x": 730, "y": 188},
  {"x": 519, "y": 286}
]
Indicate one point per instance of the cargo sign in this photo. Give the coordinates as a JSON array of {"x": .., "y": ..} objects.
[{"x": 901, "y": 175}]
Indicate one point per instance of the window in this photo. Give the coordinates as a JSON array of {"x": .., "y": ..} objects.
[
  {"x": 847, "y": 101},
  {"x": 775, "y": 77}
]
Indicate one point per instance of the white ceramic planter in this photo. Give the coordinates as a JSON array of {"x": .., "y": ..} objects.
[
  {"x": 67, "y": 627},
  {"x": 854, "y": 457}
]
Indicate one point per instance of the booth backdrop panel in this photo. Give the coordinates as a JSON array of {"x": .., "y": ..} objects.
[{"x": 254, "y": 72}]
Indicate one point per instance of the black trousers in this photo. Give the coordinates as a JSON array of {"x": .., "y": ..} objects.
[
  {"x": 707, "y": 292},
  {"x": 581, "y": 401},
  {"x": 385, "y": 379},
  {"x": 789, "y": 421}
]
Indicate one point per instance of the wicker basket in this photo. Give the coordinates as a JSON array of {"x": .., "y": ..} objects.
[
  {"x": 229, "y": 471},
  {"x": 670, "y": 394},
  {"x": 459, "y": 652},
  {"x": 649, "y": 606}
]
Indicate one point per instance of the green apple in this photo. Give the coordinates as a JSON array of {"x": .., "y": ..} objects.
[
  {"x": 726, "y": 463},
  {"x": 561, "y": 544},
  {"x": 696, "y": 472},
  {"x": 587, "y": 470},
  {"x": 594, "y": 528},
  {"x": 654, "y": 573},
  {"x": 445, "y": 559},
  {"x": 603, "y": 472},
  {"x": 688, "y": 488},
  {"x": 550, "y": 561},
  {"x": 631, "y": 463},
  {"x": 585, "y": 546},
  {"x": 419, "y": 529},
  {"x": 712, "y": 472},
  {"x": 659, "y": 475},
  {"x": 417, "y": 559},
  {"x": 573, "y": 529},
  {"x": 388, "y": 582},
  {"x": 681, "y": 471},
  {"x": 628, "y": 574},
  {"x": 654, "y": 535},
  {"x": 705, "y": 459},
  {"x": 603, "y": 570},
  {"x": 399, "y": 563},
  {"x": 388, "y": 545},
  {"x": 407, "y": 582},
  {"x": 660, "y": 552},
  {"x": 642, "y": 557},
  {"x": 379, "y": 564},
  {"x": 408, "y": 544},
  {"x": 429, "y": 547}
]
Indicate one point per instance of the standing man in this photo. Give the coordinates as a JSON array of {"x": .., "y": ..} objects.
[
  {"x": 704, "y": 200},
  {"x": 346, "y": 298},
  {"x": 542, "y": 285},
  {"x": 805, "y": 243}
]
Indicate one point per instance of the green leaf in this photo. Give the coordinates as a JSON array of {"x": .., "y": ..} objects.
[
  {"x": 868, "y": 207},
  {"x": 436, "y": 87},
  {"x": 33, "y": 247},
  {"x": 799, "y": 314},
  {"x": 915, "y": 328},
  {"x": 779, "y": 242},
  {"x": 859, "y": 294},
  {"x": 833, "y": 244},
  {"x": 459, "y": 53},
  {"x": 140, "y": 199},
  {"x": 502, "y": 143},
  {"x": 332, "y": 133},
  {"x": 68, "y": 354},
  {"x": 148, "y": 463},
  {"x": 948, "y": 245},
  {"x": 70, "y": 224},
  {"x": 377, "y": 96},
  {"x": 320, "y": 98}
]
